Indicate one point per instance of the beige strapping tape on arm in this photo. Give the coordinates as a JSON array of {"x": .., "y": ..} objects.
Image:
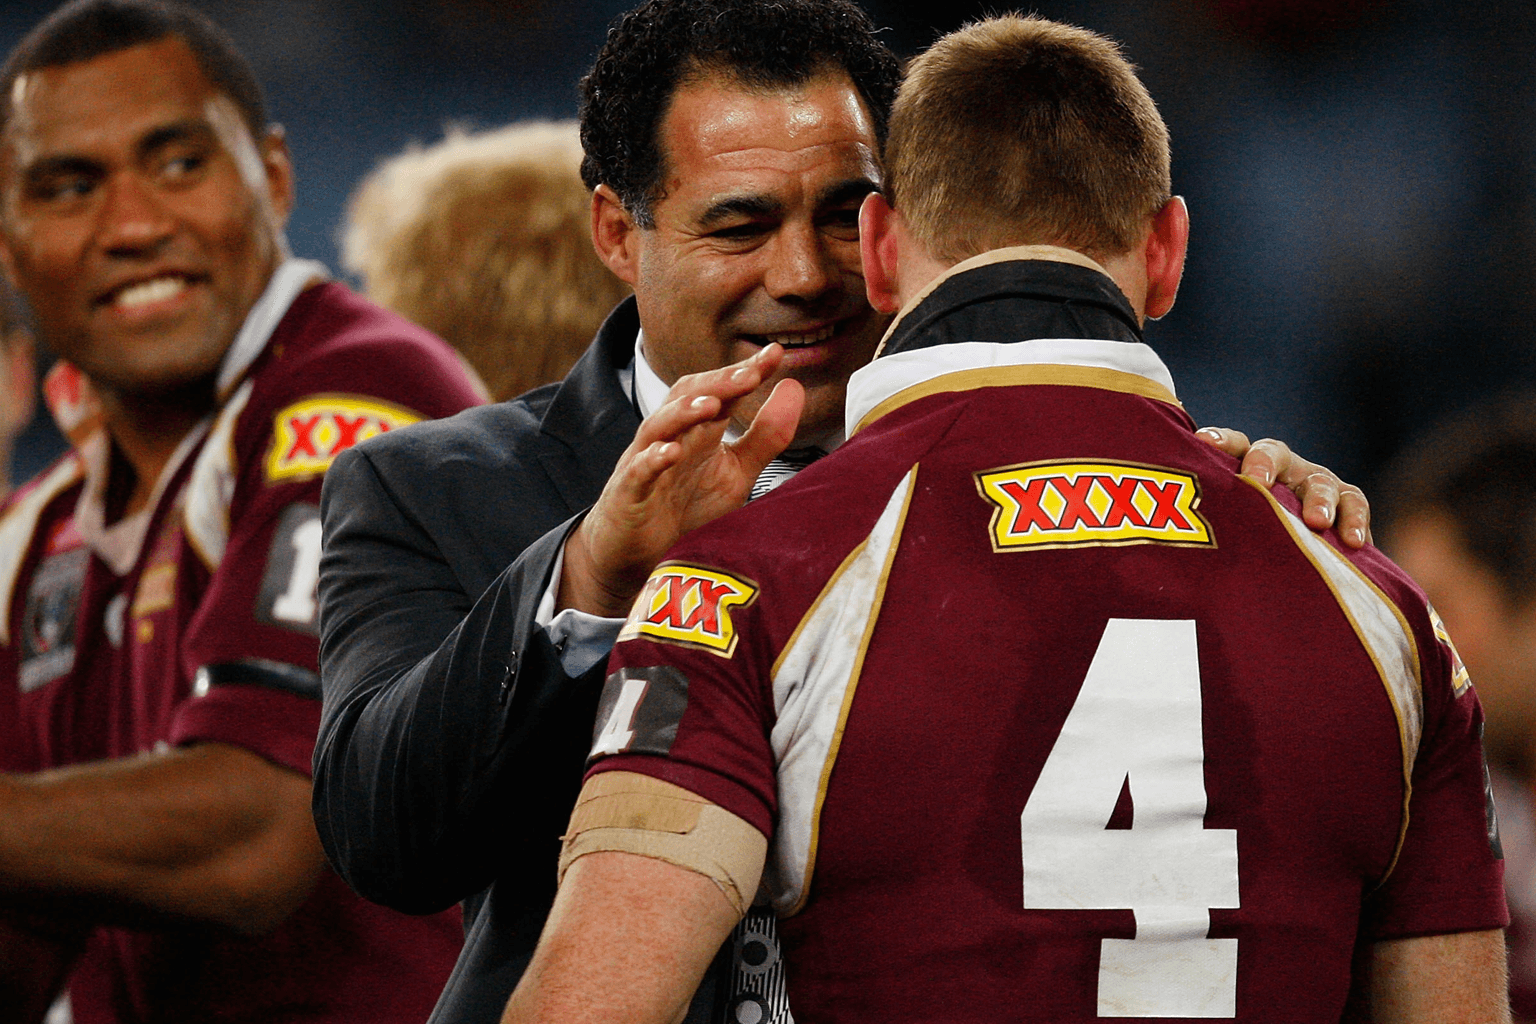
[{"x": 626, "y": 812}]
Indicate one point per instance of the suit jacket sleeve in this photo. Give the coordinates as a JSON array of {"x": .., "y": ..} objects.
[{"x": 451, "y": 742}]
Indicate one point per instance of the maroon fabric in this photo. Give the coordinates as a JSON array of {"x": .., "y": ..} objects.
[
  {"x": 915, "y": 904},
  {"x": 338, "y": 958},
  {"x": 42, "y": 636}
]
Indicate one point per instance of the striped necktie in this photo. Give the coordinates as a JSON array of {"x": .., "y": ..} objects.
[
  {"x": 751, "y": 973},
  {"x": 782, "y": 468}
]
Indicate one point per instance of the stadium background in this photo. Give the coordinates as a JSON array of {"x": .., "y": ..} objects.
[{"x": 1359, "y": 173}]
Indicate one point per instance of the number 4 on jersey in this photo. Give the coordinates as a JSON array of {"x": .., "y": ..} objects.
[{"x": 1137, "y": 721}]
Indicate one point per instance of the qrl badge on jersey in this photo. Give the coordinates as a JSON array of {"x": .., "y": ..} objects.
[
  {"x": 48, "y": 621},
  {"x": 307, "y": 435},
  {"x": 690, "y": 606},
  {"x": 1043, "y": 505}
]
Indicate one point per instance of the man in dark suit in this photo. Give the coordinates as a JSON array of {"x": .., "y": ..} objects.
[{"x": 467, "y": 606}]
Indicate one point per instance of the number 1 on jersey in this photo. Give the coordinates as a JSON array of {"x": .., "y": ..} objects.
[{"x": 1137, "y": 718}]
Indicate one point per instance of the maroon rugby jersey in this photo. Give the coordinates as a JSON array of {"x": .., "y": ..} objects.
[
  {"x": 42, "y": 567},
  {"x": 1050, "y": 716},
  {"x": 211, "y": 636}
]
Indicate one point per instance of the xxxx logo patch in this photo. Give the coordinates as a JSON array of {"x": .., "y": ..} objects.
[
  {"x": 689, "y": 606},
  {"x": 1059, "y": 504},
  {"x": 307, "y": 435},
  {"x": 1460, "y": 680}
]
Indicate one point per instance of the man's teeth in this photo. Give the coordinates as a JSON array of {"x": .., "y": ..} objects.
[
  {"x": 799, "y": 340},
  {"x": 158, "y": 290}
]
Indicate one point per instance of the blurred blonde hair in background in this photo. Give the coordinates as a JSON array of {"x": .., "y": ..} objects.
[{"x": 485, "y": 239}]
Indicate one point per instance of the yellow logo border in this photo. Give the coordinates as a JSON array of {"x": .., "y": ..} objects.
[
  {"x": 1189, "y": 505},
  {"x": 725, "y": 646},
  {"x": 279, "y": 467}
]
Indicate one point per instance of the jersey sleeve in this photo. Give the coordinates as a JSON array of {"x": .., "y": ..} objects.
[
  {"x": 252, "y": 645},
  {"x": 1449, "y": 873},
  {"x": 688, "y": 698}
]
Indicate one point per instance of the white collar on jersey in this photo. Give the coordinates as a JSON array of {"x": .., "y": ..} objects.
[
  {"x": 290, "y": 279},
  {"x": 889, "y": 375},
  {"x": 120, "y": 544}
]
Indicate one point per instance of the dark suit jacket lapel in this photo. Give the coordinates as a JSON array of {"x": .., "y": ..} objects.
[{"x": 591, "y": 417}]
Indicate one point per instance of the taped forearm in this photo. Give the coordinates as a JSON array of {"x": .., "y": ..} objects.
[{"x": 626, "y": 812}]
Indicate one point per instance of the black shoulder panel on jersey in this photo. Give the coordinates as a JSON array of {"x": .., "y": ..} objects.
[
  {"x": 640, "y": 711},
  {"x": 258, "y": 672}
]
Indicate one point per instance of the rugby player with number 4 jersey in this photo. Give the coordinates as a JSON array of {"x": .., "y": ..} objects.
[
  {"x": 1023, "y": 705},
  {"x": 158, "y": 586}
]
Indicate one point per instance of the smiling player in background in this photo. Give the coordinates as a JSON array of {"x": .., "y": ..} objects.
[{"x": 157, "y": 586}]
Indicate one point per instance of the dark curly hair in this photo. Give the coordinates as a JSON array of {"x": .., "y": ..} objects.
[{"x": 763, "y": 43}]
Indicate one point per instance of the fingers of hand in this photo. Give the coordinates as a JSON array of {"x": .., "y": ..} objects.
[
  {"x": 1233, "y": 442},
  {"x": 1268, "y": 460},
  {"x": 729, "y": 383},
  {"x": 635, "y": 478},
  {"x": 1354, "y": 516},
  {"x": 1319, "y": 494},
  {"x": 674, "y": 419},
  {"x": 773, "y": 428}
]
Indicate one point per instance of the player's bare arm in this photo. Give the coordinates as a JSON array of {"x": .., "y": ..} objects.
[
  {"x": 1445, "y": 979},
  {"x": 1325, "y": 499},
  {"x": 676, "y": 475},
  {"x": 209, "y": 832},
  {"x": 628, "y": 940}
]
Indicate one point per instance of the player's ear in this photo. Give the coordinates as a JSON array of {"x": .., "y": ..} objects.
[
  {"x": 19, "y": 379},
  {"x": 878, "y": 248},
  {"x": 278, "y": 166},
  {"x": 1165, "y": 250},
  {"x": 7, "y": 261},
  {"x": 615, "y": 235}
]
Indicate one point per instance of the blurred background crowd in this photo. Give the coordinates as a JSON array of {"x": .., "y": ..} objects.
[{"x": 1360, "y": 176}]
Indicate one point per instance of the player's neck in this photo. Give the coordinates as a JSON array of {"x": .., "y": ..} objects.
[{"x": 145, "y": 432}]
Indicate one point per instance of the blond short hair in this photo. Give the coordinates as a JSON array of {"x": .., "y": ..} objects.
[
  {"x": 1017, "y": 130},
  {"x": 485, "y": 239}
]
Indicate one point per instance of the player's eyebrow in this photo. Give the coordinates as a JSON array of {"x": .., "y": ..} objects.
[
  {"x": 752, "y": 206},
  {"x": 190, "y": 130},
  {"x": 851, "y": 191},
  {"x": 48, "y": 167},
  {"x": 66, "y": 164}
]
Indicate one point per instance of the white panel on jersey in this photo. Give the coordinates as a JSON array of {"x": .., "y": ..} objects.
[
  {"x": 812, "y": 686},
  {"x": 1380, "y": 627},
  {"x": 1137, "y": 721},
  {"x": 212, "y": 484},
  {"x": 889, "y": 375},
  {"x": 16, "y": 531}
]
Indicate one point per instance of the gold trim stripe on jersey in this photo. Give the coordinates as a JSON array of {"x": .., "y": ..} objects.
[
  {"x": 814, "y": 679},
  {"x": 1060, "y": 374},
  {"x": 1383, "y": 632}
]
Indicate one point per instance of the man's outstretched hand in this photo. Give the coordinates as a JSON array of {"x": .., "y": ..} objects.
[
  {"x": 678, "y": 473},
  {"x": 1324, "y": 497}
]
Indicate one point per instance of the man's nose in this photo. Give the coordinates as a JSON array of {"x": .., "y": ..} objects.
[
  {"x": 134, "y": 217},
  {"x": 802, "y": 266}
]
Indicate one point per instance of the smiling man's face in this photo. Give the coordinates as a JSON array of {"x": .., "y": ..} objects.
[
  {"x": 756, "y": 237},
  {"x": 137, "y": 214}
]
